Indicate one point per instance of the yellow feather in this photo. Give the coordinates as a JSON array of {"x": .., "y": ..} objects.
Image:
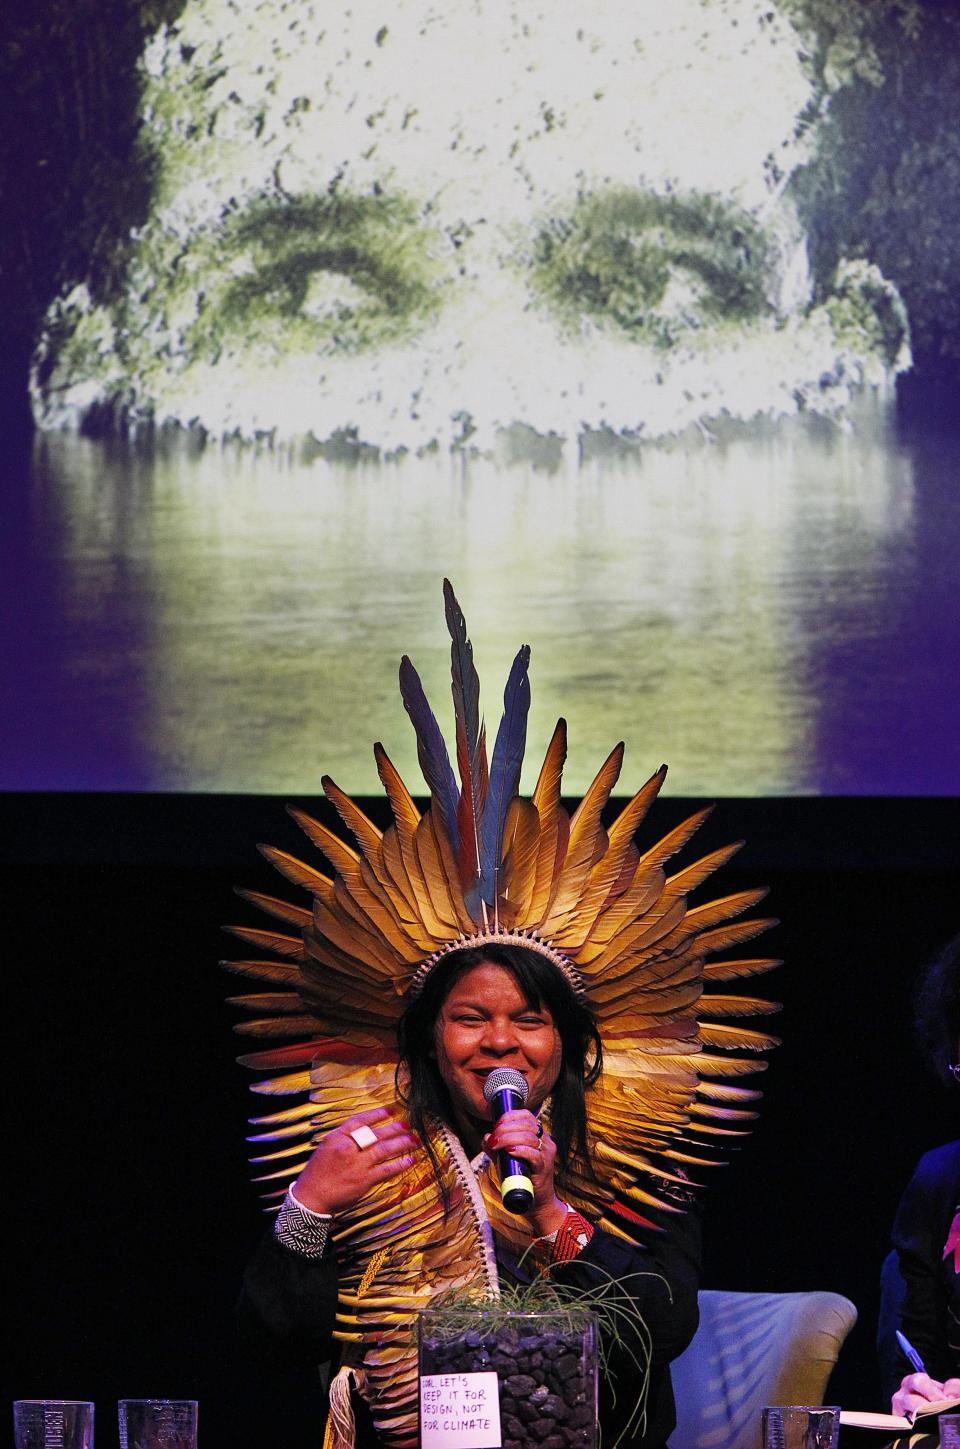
[
  {"x": 698, "y": 871},
  {"x": 546, "y": 799},
  {"x": 521, "y": 853},
  {"x": 732, "y": 935},
  {"x": 640, "y": 896},
  {"x": 554, "y": 834},
  {"x": 287, "y": 1114},
  {"x": 408, "y": 879},
  {"x": 269, "y": 941},
  {"x": 675, "y": 839},
  {"x": 296, "y": 1129},
  {"x": 584, "y": 818},
  {"x": 280, "y": 1086},
  {"x": 634, "y": 812},
  {"x": 730, "y": 970},
  {"x": 724, "y": 908},
  {"x": 405, "y": 814},
  {"x": 615, "y": 1230},
  {"x": 358, "y": 896},
  {"x": 349, "y": 936},
  {"x": 339, "y": 854},
  {"x": 326, "y": 969},
  {"x": 739, "y": 1038},
  {"x": 451, "y": 873},
  {"x": 729, "y": 1066},
  {"x": 546, "y": 794},
  {"x": 726, "y": 1114},
  {"x": 300, "y": 1150},
  {"x": 363, "y": 830},
  {"x": 607, "y": 871},
  {"x": 587, "y": 843},
  {"x": 737, "y": 1006},
  {"x": 279, "y": 1001},
  {"x": 275, "y": 1026},
  {"x": 263, "y": 971},
  {"x": 365, "y": 901},
  {"x": 417, "y": 941},
  {"x": 296, "y": 871},
  {"x": 647, "y": 1003},
  {"x": 394, "y": 870},
  {"x": 706, "y": 1129},
  {"x": 723, "y": 1092},
  {"x": 338, "y": 1008},
  {"x": 281, "y": 910},
  {"x": 431, "y": 868},
  {"x": 675, "y": 1155},
  {"x": 642, "y": 933}
]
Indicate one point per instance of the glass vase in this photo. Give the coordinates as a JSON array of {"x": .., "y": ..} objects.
[{"x": 493, "y": 1379}]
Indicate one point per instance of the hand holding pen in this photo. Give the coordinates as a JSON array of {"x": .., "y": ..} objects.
[{"x": 918, "y": 1389}]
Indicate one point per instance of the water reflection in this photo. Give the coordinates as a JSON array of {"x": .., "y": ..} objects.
[{"x": 770, "y": 614}]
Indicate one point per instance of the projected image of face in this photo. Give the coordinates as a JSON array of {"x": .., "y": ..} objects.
[{"x": 425, "y": 226}]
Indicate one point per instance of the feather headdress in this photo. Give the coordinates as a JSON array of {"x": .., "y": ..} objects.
[{"x": 481, "y": 864}]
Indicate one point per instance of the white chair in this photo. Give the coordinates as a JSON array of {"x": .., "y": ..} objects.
[{"x": 753, "y": 1349}]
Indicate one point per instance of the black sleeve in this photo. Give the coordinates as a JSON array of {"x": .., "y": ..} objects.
[
  {"x": 662, "y": 1281},
  {"x": 287, "y": 1307},
  {"x": 285, "y": 1319},
  {"x": 919, "y": 1234}
]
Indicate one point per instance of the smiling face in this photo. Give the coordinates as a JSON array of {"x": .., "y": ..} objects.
[{"x": 486, "y": 1022}]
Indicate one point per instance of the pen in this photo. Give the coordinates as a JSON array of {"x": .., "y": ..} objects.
[{"x": 911, "y": 1352}]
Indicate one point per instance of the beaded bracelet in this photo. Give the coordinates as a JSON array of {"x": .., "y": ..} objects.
[
  {"x": 573, "y": 1235},
  {"x": 300, "y": 1229},
  {"x": 567, "y": 1240}
]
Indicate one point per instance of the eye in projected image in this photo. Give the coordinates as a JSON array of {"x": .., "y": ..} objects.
[
  {"x": 579, "y": 306},
  {"x": 430, "y": 227}
]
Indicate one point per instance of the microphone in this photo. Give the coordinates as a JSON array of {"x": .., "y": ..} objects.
[{"x": 505, "y": 1089}]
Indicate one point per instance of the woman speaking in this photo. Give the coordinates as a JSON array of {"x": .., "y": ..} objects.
[{"x": 491, "y": 939}]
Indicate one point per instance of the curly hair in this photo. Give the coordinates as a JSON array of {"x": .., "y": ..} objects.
[
  {"x": 543, "y": 986},
  {"x": 937, "y": 1010}
]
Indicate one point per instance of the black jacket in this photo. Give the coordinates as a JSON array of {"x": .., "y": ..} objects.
[{"x": 925, "y": 1303}]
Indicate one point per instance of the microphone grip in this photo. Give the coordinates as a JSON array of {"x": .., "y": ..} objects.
[{"x": 516, "y": 1189}]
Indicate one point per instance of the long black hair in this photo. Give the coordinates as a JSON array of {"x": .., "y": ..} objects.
[{"x": 543, "y": 986}]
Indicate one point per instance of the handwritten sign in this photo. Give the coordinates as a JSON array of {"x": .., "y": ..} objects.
[{"x": 459, "y": 1411}]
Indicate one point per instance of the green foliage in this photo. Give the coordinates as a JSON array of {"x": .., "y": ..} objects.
[
  {"x": 868, "y": 314},
  {"x": 841, "y": 37},
  {"x": 72, "y": 180},
  {"x": 885, "y": 181},
  {"x": 654, "y": 266},
  {"x": 288, "y": 251}
]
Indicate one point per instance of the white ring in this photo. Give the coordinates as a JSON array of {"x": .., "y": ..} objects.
[{"x": 363, "y": 1136}]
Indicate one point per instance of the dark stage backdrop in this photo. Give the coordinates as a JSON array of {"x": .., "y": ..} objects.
[{"x": 132, "y": 1214}]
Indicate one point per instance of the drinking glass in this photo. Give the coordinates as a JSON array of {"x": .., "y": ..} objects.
[
  {"x": 949, "y": 1431},
  {"x": 158, "y": 1423},
  {"x": 800, "y": 1426},
  {"x": 53, "y": 1424}
]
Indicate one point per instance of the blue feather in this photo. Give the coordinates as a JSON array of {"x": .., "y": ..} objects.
[
  {"x": 471, "y": 748},
  {"x": 504, "y": 772},
  {"x": 431, "y": 751}
]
